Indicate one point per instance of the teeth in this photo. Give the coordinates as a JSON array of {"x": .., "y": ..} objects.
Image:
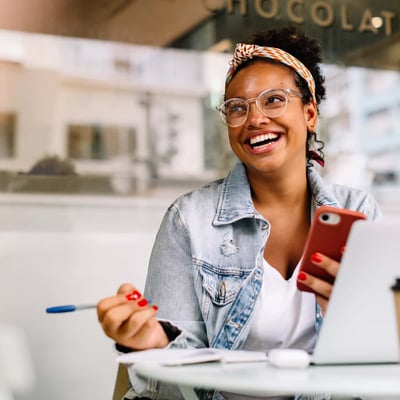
[{"x": 262, "y": 138}]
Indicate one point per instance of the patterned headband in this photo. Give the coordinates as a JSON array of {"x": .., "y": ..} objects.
[{"x": 244, "y": 52}]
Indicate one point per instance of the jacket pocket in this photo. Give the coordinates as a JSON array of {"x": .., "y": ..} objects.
[{"x": 222, "y": 284}]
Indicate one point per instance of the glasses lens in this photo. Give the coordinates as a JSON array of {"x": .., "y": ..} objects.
[
  {"x": 272, "y": 102},
  {"x": 235, "y": 112}
]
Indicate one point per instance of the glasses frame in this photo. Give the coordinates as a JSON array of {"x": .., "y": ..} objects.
[{"x": 285, "y": 91}]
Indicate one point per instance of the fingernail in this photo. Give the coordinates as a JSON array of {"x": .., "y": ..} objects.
[
  {"x": 133, "y": 296},
  {"x": 155, "y": 307},
  {"x": 302, "y": 276},
  {"x": 142, "y": 303},
  {"x": 343, "y": 249},
  {"x": 316, "y": 258}
]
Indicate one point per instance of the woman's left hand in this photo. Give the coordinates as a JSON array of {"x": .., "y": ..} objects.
[{"x": 322, "y": 289}]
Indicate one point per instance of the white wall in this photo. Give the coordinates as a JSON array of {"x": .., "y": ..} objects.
[{"x": 63, "y": 251}]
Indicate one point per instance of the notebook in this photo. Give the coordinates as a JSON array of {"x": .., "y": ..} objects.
[{"x": 360, "y": 322}]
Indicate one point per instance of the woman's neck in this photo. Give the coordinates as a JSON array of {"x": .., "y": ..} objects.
[{"x": 279, "y": 191}]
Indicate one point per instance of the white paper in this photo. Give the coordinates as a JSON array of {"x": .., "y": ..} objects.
[{"x": 191, "y": 356}]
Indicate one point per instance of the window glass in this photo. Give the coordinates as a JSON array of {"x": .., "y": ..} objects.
[
  {"x": 116, "y": 112},
  {"x": 100, "y": 142}
]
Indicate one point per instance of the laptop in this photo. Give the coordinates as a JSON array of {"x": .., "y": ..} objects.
[{"x": 360, "y": 322}]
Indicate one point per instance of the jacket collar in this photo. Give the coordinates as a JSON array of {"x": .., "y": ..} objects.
[
  {"x": 321, "y": 192},
  {"x": 235, "y": 201}
]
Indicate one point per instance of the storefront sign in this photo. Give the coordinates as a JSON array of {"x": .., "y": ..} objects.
[
  {"x": 346, "y": 15},
  {"x": 354, "y": 32}
]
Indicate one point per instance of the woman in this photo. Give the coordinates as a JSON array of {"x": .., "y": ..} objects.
[{"x": 225, "y": 262}]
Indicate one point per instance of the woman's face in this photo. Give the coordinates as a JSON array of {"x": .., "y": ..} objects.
[{"x": 286, "y": 137}]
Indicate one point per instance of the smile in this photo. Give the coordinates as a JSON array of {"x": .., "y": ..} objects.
[{"x": 262, "y": 140}]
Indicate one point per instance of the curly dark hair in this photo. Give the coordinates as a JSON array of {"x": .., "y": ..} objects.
[
  {"x": 301, "y": 46},
  {"x": 308, "y": 51}
]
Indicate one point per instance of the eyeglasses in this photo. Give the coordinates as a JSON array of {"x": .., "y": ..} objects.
[{"x": 271, "y": 102}]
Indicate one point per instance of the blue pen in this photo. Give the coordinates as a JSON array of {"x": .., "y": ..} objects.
[
  {"x": 69, "y": 308},
  {"x": 72, "y": 307}
]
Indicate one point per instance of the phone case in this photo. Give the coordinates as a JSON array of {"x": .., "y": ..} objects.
[{"x": 328, "y": 234}]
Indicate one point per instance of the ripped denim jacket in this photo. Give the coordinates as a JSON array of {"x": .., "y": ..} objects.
[{"x": 205, "y": 271}]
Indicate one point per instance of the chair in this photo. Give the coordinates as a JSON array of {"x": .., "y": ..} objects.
[
  {"x": 121, "y": 383},
  {"x": 17, "y": 374}
]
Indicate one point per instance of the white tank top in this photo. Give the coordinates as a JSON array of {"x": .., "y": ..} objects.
[{"x": 283, "y": 316}]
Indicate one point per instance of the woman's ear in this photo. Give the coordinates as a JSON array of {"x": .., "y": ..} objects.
[{"x": 311, "y": 116}]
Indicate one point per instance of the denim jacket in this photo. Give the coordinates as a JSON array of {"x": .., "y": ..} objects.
[{"x": 205, "y": 271}]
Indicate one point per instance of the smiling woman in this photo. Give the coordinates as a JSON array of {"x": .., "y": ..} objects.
[
  {"x": 273, "y": 103},
  {"x": 224, "y": 267}
]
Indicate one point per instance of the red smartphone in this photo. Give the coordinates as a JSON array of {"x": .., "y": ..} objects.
[{"x": 328, "y": 234}]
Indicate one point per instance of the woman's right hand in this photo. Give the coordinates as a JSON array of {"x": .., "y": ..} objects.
[{"x": 128, "y": 319}]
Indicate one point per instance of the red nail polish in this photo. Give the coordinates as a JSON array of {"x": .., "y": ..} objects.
[
  {"x": 302, "y": 276},
  {"x": 133, "y": 296},
  {"x": 316, "y": 258},
  {"x": 343, "y": 249},
  {"x": 142, "y": 303},
  {"x": 155, "y": 307}
]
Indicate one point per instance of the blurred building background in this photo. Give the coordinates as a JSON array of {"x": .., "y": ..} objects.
[
  {"x": 139, "y": 120},
  {"x": 107, "y": 113},
  {"x": 129, "y": 117}
]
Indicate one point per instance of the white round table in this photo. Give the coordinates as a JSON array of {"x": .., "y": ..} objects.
[{"x": 261, "y": 379}]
